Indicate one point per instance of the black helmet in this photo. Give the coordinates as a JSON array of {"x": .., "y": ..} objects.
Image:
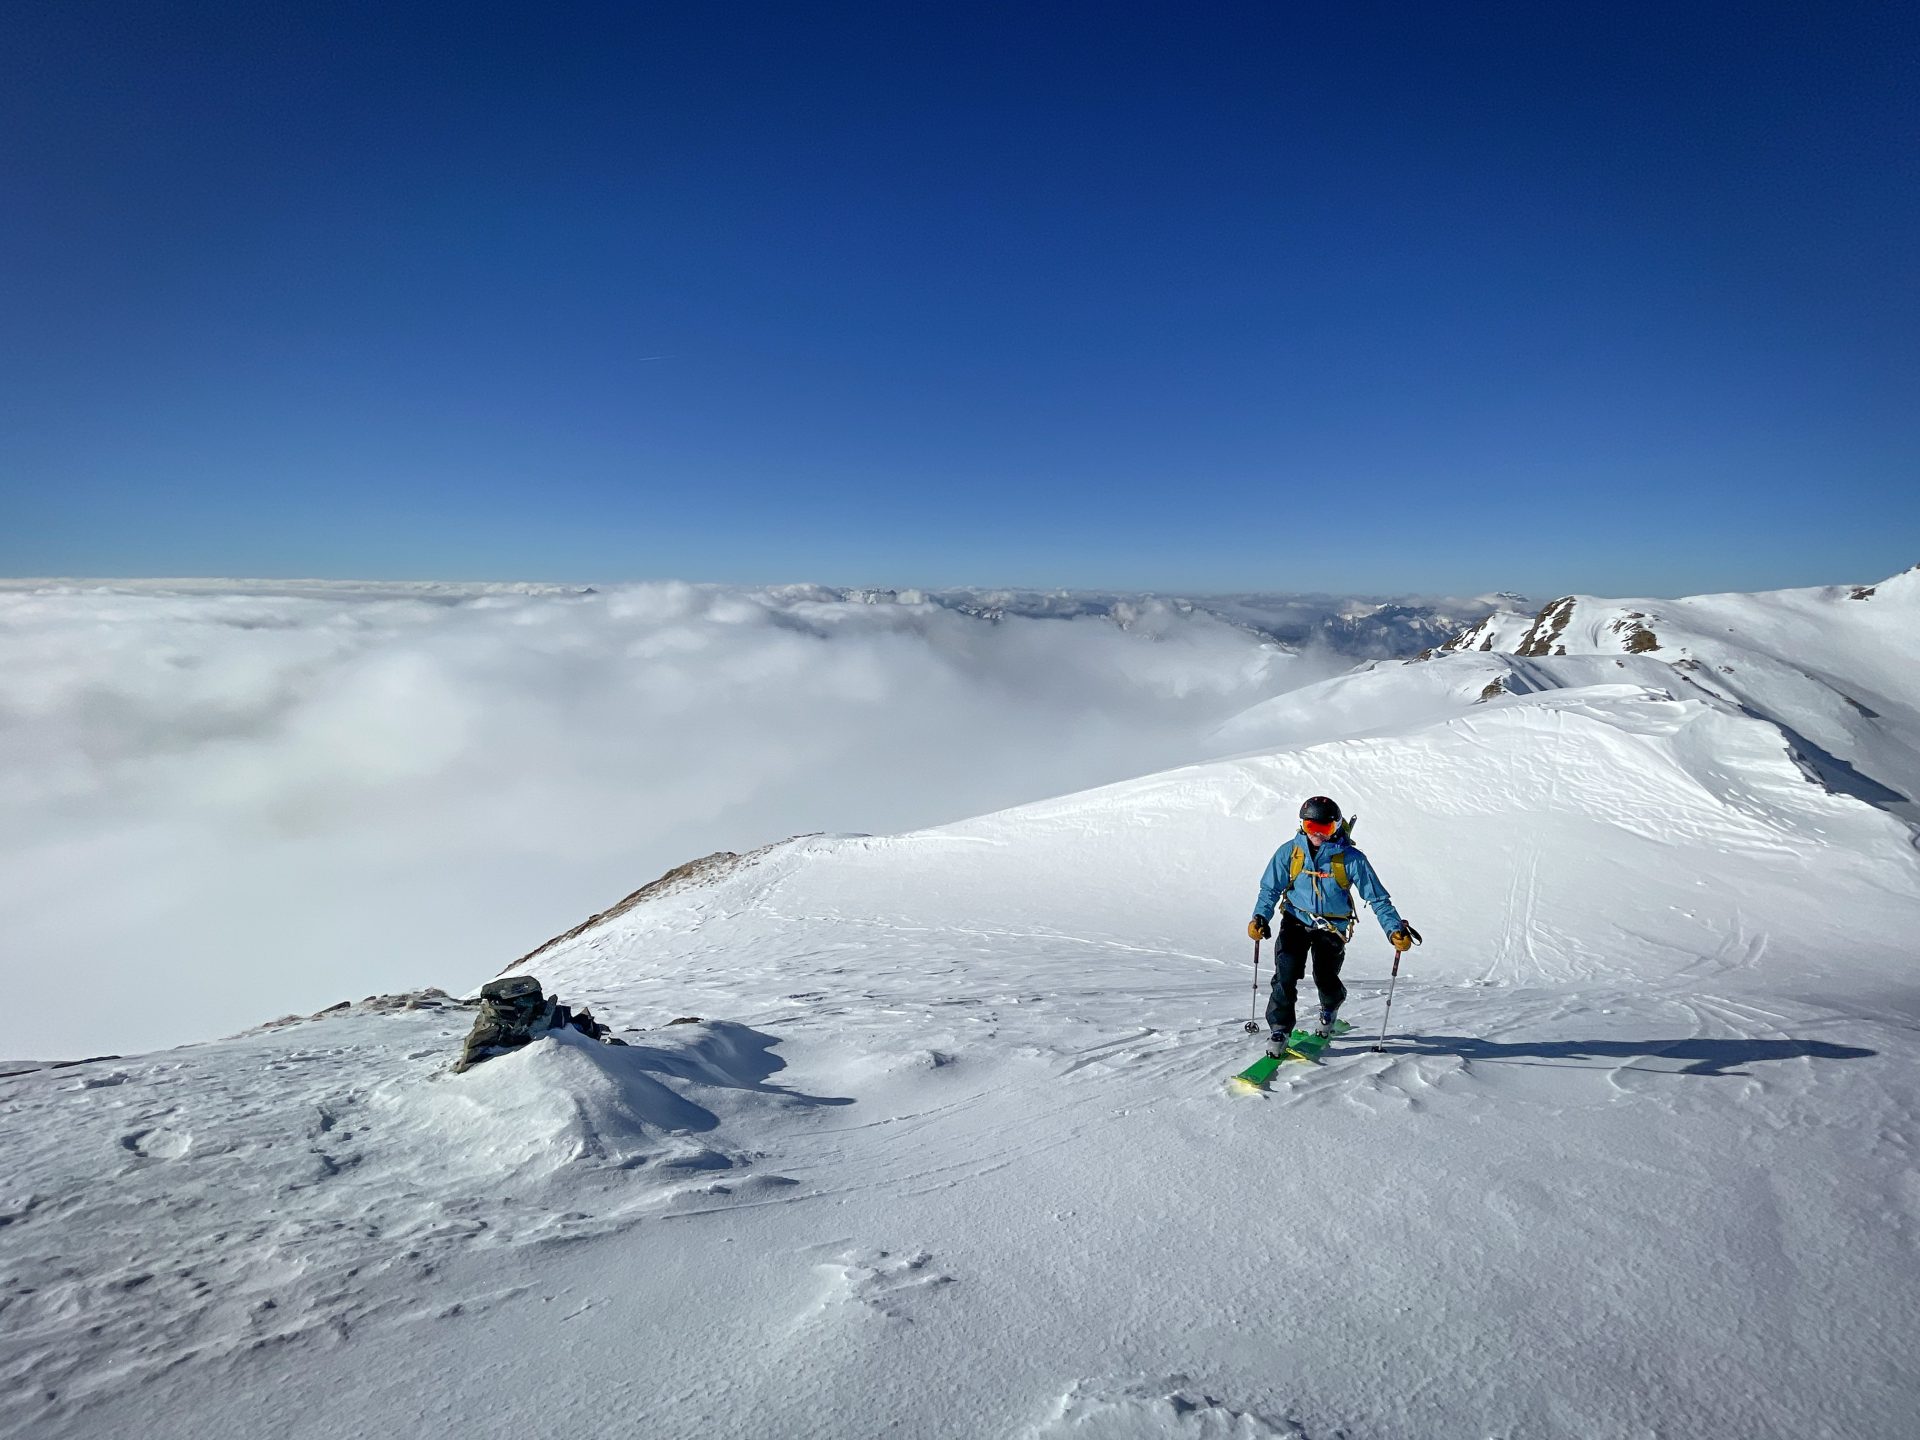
[{"x": 1320, "y": 809}]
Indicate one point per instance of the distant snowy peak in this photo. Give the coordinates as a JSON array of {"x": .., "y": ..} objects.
[
  {"x": 1603, "y": 627},
  {"x": 1675, "y": 629},
  {"x": 1500, "y": 632},
  {"x": 1514, "y": 632},
  {"x": 1588, "y": 625},
  {"x": 1834, "y": 667}
]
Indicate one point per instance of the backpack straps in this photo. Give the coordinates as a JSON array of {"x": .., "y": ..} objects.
[{"x": 1337, "y": 868}]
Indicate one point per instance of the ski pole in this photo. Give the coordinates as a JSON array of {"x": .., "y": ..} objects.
[
  {"x": 1393, "y": 980},
  {"x": 1253, "y": 1015}
]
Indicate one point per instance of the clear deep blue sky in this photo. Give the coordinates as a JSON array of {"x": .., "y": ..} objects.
[{"x": 1198, "y": 296}]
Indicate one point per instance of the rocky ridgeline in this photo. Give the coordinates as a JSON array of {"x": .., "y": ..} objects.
[{"x": 431, "y": 998}]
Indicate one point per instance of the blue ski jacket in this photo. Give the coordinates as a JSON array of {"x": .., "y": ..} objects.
[{"x": 1315, "y": 892}]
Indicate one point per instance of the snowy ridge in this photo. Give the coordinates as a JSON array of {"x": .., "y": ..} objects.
[
  {"x": 948, "y": 1150},
  {"x": 1503, "y": 630},
  {"x": 1831, "y": 666}
]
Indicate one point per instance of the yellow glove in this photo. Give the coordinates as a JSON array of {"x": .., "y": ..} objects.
[
  {"x": 1401, "y": 940},
  {"x": 1257, "y": 929}
]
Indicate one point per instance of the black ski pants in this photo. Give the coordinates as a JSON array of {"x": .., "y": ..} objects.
[{"x": 1291, "y": 948}]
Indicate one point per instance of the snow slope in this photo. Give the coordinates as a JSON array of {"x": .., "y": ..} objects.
[{"x": 950, "y": 1152}]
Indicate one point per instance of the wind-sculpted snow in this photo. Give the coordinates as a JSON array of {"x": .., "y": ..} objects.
[{"x": 298, "y": 1185}]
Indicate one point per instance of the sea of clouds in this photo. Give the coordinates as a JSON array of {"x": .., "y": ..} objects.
[{"x": 224, "y": 803}]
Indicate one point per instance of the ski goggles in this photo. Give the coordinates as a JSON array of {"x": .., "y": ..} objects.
[{"x": 1318, "y": 829}]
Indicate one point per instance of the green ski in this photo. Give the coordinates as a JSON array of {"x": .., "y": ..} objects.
[{"x": 1301, "y": 1045}]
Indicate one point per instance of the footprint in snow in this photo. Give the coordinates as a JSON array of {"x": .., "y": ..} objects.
[
  {"x": 877, "y": 1282},
  {"x": 1167, "y": 1408}
]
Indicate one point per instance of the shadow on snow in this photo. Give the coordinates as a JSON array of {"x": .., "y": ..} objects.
[
  {"x": 726, "y": 1055},
  {"x": 1705, "y": 1057}
]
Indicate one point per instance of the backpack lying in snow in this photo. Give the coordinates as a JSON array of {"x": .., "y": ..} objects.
[{"x": 514, "y": 1012}]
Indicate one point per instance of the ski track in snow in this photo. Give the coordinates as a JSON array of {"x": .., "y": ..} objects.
[{"x": 952, "y": 1152}]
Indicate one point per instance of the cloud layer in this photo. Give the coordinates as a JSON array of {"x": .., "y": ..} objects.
[{"x": 224, "y": 805}]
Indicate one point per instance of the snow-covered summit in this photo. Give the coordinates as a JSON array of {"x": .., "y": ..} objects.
[{"x": 1504, "y": 629}]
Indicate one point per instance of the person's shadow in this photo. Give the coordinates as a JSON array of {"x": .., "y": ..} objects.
[{"x": 1705, "y": 1057}]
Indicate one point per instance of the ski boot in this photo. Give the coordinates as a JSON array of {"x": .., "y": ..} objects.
[
  {"x": 1325, "y": 1028},
  {"x": 1277, "y": 1044}
]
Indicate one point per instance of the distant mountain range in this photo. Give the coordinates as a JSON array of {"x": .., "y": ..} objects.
[
  {"x": 1363, "y": 627},
  {"x": 1366, "y": 628}
]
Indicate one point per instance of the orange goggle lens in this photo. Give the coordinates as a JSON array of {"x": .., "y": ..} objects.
[{"x": 1319, "y": 829}]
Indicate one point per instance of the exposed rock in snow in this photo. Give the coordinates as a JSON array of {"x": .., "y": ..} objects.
[{"x": 1547, "y": 628}]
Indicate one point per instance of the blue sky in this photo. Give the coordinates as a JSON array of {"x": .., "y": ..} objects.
[{"x": 1193, "y": 297}]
